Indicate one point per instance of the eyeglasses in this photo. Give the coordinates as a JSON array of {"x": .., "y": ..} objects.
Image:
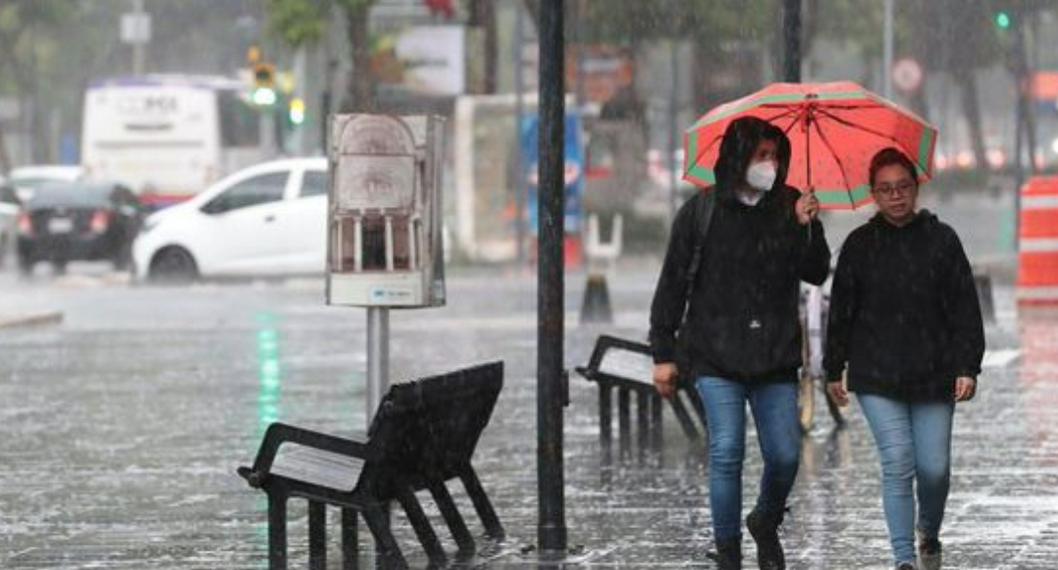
[{"x": 903, "y": 188}]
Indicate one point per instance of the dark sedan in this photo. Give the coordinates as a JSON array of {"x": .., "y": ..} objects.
[{"x": 74, "y": 221}]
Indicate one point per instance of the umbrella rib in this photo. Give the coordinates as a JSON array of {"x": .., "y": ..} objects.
[
  {"x": 782, "y": 115},
  {"x": 796, "y": 120},
  {"x": 852, "y": 125},
  {"x": 837, "y": 158}
]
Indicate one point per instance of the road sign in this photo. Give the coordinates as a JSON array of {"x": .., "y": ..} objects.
[
  {"x": 907, "y": 75},
  {"x": 135, "y": 28}
]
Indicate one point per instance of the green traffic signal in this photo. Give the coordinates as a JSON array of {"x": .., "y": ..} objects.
[
  {"x": 264, "y": 97},
  {"x": 1003, "y": 20}
]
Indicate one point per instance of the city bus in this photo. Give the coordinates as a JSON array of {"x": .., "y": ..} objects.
[{"x": 168, "y": 136}]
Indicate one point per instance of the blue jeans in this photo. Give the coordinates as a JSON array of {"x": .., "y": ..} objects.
[
  {"x": 774, "y": 408},
  {"x": 914, "y": 443}
]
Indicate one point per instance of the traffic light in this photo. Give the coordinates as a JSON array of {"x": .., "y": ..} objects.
[
  {"x": 264, "y": 79},
  {"x": 1003, "y": 20},
  {"x": 297, "y": 111}
]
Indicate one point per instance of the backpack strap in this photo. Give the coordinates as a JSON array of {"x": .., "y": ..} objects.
[{"x": 703, "y": 215}]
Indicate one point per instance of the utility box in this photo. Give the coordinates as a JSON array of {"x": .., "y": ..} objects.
[{"x": 384, "y": 246}]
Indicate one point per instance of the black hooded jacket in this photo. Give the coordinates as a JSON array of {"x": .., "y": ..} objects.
[
  {"x": 904, "y": 313},
  {"x": 742, "y": 320}
]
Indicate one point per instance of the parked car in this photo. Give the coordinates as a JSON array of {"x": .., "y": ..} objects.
[
  {"x": 268, "y": 219},
  {"x": 73, "y": 221},
  {"x": 10, "y": 206}
]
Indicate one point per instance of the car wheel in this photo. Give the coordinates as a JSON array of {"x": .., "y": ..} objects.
[
  {"x": 173, "y": 265},
  {"x": 122, "y": 258},
  {"x": 25, "y": 266}
]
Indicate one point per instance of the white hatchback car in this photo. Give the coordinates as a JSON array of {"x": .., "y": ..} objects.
[{"x": 268, "y": 219}]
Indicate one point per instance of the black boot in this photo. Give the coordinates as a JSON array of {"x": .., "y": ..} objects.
[
  {"x": 765, "y": 530},
  {"x": 729, "y": 554}
]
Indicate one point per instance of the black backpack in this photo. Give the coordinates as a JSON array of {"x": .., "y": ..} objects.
[
  {"x": 704, "y": 210},
  {"x": 703, "y": 216}
]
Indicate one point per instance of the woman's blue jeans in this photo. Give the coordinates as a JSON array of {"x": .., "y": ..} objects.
[
  {"x": 914, "y": 443},
  {"x": 774, "y": 407}
]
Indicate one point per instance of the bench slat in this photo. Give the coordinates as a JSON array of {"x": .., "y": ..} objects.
[
  {"x": 317, "y": 466},
  {"x": 628, "y": 364}
]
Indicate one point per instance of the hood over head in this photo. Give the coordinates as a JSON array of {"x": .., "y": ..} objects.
[{"x": 736, "y": 150}]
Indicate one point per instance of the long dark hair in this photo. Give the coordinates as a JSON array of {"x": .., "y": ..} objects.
[{"x": 740, "y": 142}]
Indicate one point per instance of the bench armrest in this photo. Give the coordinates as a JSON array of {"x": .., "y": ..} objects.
[{"x": 279, "y": 433}]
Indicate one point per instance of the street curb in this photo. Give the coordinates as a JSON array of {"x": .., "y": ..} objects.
[{"x": 31, "y": 320}]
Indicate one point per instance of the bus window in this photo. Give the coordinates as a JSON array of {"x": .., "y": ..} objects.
[{"x": 239, "y": 124}]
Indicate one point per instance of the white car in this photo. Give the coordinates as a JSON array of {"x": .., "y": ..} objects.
[{"x": 268, "y": 219}]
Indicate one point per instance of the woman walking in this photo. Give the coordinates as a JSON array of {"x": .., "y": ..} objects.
[
  {"x": 737, "y": 325},
  {"x": 905, "y": 320}
]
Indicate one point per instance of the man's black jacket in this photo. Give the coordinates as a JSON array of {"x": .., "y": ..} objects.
[{"x": 904, "y": 313}]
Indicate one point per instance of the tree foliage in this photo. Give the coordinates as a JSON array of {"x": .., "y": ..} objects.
[{"x": 301, "y": 22}]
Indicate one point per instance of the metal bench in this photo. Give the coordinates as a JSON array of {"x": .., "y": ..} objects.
[
  {"x": 423, "y": 434},
  {"x": 627, "y": 367}
]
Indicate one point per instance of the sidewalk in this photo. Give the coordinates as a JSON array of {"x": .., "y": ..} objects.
[{"x": 122, "y": 435}]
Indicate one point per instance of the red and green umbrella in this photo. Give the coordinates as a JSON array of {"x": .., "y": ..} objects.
[{"x": 834, "y": 130}]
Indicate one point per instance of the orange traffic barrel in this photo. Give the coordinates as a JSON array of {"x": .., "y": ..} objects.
[{"x": 1038, "y": 241}]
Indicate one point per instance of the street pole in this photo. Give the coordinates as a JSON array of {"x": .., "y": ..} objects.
[
  {"x": 887, "y": 56},
  {"x": 551, "y": 383},
  {"x": 138, "y": 47},
  {"x": 377, "y": 358},
  {"x": 519, "y": 117},
  {"x": 791, "y": 26},
  {"x": 301, "y": 57},
  {"x": 673, "y": 134}
]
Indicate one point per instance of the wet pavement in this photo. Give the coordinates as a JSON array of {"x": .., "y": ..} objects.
[{"x": 121, "y": 428}]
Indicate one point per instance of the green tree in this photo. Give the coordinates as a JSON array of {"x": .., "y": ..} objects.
[
  {"x": 27, "y": 46},
  {"x": 302, "y": 22},
  {"x": 957, "y": 37}
]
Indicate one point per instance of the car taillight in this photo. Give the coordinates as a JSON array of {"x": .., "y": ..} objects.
[
  {"x": 100, "y": 221},
  {"x": 25, "y": 224}
]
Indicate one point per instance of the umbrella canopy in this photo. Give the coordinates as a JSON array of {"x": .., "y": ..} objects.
[{"x": 834, "y": 129}]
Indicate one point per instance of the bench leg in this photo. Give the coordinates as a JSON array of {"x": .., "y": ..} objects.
[
  {"x": 624, "y": 421},
  {"x": 350, "y": 545},
  {"x": 656, "y": 422},
  {"x": 317, "y": 536},
  {"x": 606, "y": 422},
  {"x": 684, "y": 419},
  {"x": 387, "y": 551},
  {"x": 642, "y": 423},
  {"x": 453, "y": 519},
  {"x": 422, "y": 526},
  {"x": 482, "y": 505},
  {"x": 277, "y": 531},
  {"x": 699, "y": 408}
]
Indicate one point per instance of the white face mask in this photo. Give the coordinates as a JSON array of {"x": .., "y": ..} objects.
[{"x": 761, "y": 175}]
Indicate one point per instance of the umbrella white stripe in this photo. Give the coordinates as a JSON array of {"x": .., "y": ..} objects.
[
  {"x": 1039, "y": 202},
  {"x": 1029, "y": 293},
  {"x": 1038, "y": 245}
]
